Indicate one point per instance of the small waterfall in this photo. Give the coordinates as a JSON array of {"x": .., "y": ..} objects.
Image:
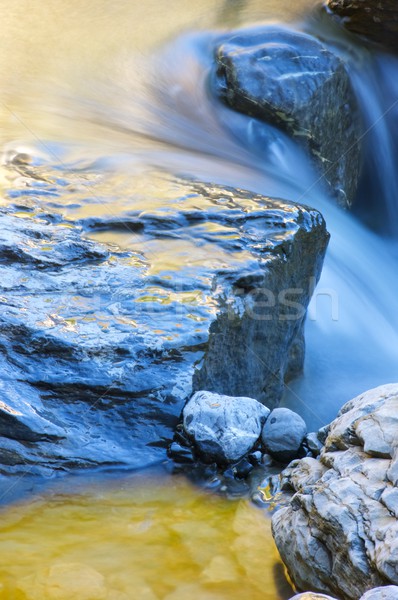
[{"x": 376, "y": 86}]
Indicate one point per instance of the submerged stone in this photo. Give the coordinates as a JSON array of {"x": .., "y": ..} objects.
[
  {"x": 137, "y": 537},
  {"x": 292, "y": 80},
  {"x": 116, "y": 307}
]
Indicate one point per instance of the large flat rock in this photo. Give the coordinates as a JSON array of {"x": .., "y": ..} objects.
[{"x": 123, "y": 293}]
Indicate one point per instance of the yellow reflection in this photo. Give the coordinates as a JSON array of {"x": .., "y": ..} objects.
[
  {"x": 157, "y": 541},
  {"x": 38, "y": 35}
]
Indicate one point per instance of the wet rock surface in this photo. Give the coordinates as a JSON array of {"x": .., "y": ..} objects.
[
  {"x": 344, "y": 507},
  {"x": 293, "y": 81},
  {"x": 223, "y": 428},
  {"x": 114, "y": 308},
  {"x": 376, "y": 21}
]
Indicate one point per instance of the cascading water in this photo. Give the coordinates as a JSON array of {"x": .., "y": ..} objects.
[{"x": 352, "y": 327}]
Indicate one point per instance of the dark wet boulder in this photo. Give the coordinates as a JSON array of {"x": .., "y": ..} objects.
[
  {"x": 256, "y": 311},
  {"x": 113, "y": 311},
  {"x": 376, "y": 21},
  {"x": 283, "y": 434},
  {"x": 293, "y": 81},
  {"x": 181, "y": 453},
  {"x": 339, "y": 532}
]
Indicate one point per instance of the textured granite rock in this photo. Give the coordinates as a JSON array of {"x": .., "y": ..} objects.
[
  {"x": 283, "y": 434},
  {"x": 293, "y": 81},
  {"x": 114, "y": 306},
  {"x": 223, "y": 428},
  {"x": 389, "y": 592},
  {"x": 376, "y": 21},
  {"x": 344, "y": 509}
]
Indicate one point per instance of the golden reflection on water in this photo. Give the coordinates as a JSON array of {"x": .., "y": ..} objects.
[
  {"x": 145, "y": 541},
  {"x": 93, "y": 30},
  {"x": 52, "y": 50}
]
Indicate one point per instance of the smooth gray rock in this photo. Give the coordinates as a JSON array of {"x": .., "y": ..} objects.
[
  {"x": 293, "y": 81},
  {"x": 223, "y": 428},
  {"x": 283, "y": 434},
  {"x": 344, "y": 509},
  {"x": 311, "y": 596},
  {"x": 115, "y": 308},
  {"x": 388, "y": 592}
]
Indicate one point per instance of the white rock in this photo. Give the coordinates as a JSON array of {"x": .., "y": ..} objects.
[
  {"x": 223, "y": 428},
  {"x": 388, "y": 592}
]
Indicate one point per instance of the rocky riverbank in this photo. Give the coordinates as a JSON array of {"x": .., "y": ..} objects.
[{"x": 344, "y": 505}]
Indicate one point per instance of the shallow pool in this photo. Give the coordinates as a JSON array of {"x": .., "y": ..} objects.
[{"x": 141, "y": 537}]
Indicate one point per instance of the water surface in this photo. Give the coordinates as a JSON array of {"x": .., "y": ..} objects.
[
  {"x": 143, "y": 538},
  {"x": 94, "y": 95}
]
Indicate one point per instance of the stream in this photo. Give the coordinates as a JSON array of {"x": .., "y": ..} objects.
[{"x": 94, "y": 98}]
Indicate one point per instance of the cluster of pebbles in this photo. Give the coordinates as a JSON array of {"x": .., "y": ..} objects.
[{"x": 223, "y": 439}]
